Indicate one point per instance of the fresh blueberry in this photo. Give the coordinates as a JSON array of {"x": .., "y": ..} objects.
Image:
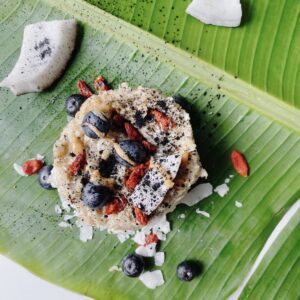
[
  {"x": 133, "y": 265},
  {"x": 131, "y": 149},
  {"x": 96, "y": 196},
  {"x": 186, "y": 271},
  {"x": 182, "y": 102},
  {"x": 94, "y": 121},
  {"x": 73, "y": 103},
  {"x": 43, "y": 178},
  {"x": 106, "y": 166}
]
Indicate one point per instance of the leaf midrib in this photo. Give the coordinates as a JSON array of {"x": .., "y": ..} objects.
[{"x": 202, "y": 71}]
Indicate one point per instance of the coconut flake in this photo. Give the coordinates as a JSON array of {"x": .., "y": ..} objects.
[
  {"x": 159, "y": 258},
  {"x": 217, "y": 12},
  {"x": 139, "y": 238},
  {"x": 181, "y": 216},
  {"x": 86, "y": 231},
  {"x": 40, "y": 157},
  {"x": 222, "y": 189},
  {"x": 146, "y": 251},
  {"x": 152, "y": 279},
  {"x": 197, "y": 194},
  {"x": 114, "y": 269},
  {"x": 19, "y": 169},
  {"x": 68, "y": 217},
  {"x": 203, "y": 173},
  {"x": 203, "y": 213},
  {"x": 64, "y": 225},
  {"x": 57, "y": 209},
  {"x": 238, "y": 204}
]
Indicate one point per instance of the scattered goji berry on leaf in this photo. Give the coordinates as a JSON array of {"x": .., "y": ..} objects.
[
  {"x": 77, "y": 164},
  {"x": 151, "y": 238},
  {"x": 100, "y": 84},
  {"x": 151, "y": 148},
  {"x": 136, "y": 175},
  {"x": 84, "y": 89},
  {"x": 32, "y": 166},
  {"x": 116, "y": 205},
  {"x": 162, "y": 120},
  {"x": 140, "y": 216},
  {"x": 239, "y": 163},
  {"x": 118, "y": 120}
]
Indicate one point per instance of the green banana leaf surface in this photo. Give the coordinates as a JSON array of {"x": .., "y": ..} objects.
[{"x": 242, "y": 86}]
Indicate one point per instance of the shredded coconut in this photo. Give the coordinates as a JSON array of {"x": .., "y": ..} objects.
[
  {"x": 152, "y": 279},
  {"x": 86, "y": 231},
  {"x": 197, "y": 194},
  {"x": 222, "y": 189},
  {"x": 203, "y": 213},
  {"x": 238, "y": 204},
  {"x": 19, "y": 169},
  {"x": 181, "y": 216},
  {"x": 146, "y": 251},
  {"x": 114, "y": 269},
  {"x": 40, "y": 157},
  {"x": 159, "y": 258},
  {"x": 203, "y": 173},
  {"x": 57, "y": 209},
  {"x": 64, "y": 225}
]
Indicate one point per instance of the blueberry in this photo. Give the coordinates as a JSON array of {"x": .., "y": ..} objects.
[
  {"x": 133, "y": 265},
  {"x": 128, "y": 151},
  {"x": 182, "y": 102},
  {"x": 43, "y": 177},
  {"x": 106, "y": 166},
  {"x": 93, "y": 122},
  {"x": 73, "y": 103},
  {"x": 186, "y": 271},
  {"x": 96, "y": 196}
]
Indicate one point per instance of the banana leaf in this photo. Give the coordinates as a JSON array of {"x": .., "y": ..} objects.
[{"x": 256, "y": 113}]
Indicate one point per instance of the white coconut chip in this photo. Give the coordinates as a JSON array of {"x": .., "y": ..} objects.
[
  {"x": 19, "y": 169},
  {"x": 238, "y": 204},
  {"x": 146, "y": 251},
  {"x": 86, "y": 231},
  {"x": 40, "y": 157},
  {"x": 203, "y": 173},
  {"x": 114, "y": 269},
  {"x": 139, "y": 238},
  {"x": 181, "y": 216},
  {"x": 197, "y": 194},
  {"x": 217, "y": 12},
  {"x": 203, "y": 213},
  {"x": 68, "y": 217},
  {"x": 152, "y": 279},
  {"x": 64, "y": 224},
  {"x": 57, "y": 209},
  {"x": 222, "y": 189},
  {"x": 159, "y": 259}
]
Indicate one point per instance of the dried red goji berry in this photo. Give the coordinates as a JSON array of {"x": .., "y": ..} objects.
[
  {"x": 162, "y": 119},
  {"x": 140, "y": 216},
  {"x": 151, "y": 148},
  {"x": 134, "y": 135},
  {"x": 116, "y": 205},
  {"x": 136, "y": 175},
  {"x": 100, "y": 84},
  {"x": 84, "y": 89},
  {"x": 32, "y": 166},
  {"x": 239, "y": 163},
  {"x": 151, "y": 238},
  {"x": 77, "y": 164},
  {"x": 118, "y": 120}
]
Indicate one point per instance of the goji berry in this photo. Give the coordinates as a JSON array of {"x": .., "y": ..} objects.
[
  {"x": 77, "y": 164},
  {"x": 84, "y": 89},
  {"x": 162, "y": 120},
  {"x": 151, "y": 148},
  {"x": 136, "y": 175},
  {"x": 151, "y": 238},
  {"x": 100, "y": 84},
  {"x": 116, "y": 205},
  {"x": 140, "y": 216},
  {"x": 32, "y": 166},
  {"x": 239, "y": 163}
]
